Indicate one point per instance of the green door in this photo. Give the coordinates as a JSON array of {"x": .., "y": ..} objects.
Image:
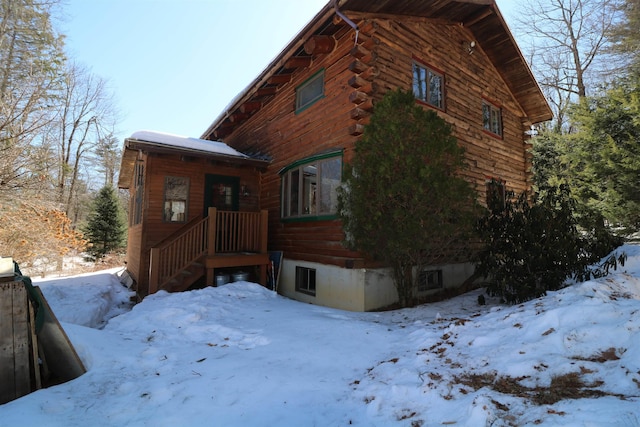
[{"x": 221, "y": 192}]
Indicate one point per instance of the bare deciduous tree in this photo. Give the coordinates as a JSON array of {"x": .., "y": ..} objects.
[
  {"x": 568, "y": 44},
  {"x": 107, "y": 156},
  {"x": 30, "y": 57},
  {"x": 86, "y": 116}
]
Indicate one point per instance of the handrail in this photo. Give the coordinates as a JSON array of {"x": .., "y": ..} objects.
[
  {"x": 238, "y": 232},
  {"x": 168, "y": 260},
  {"x": 176, "y": 234},
  {"x": 222, "y": 232}
]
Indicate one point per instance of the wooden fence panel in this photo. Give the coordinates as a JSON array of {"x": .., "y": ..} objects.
[{"x": 15, "y": 379}]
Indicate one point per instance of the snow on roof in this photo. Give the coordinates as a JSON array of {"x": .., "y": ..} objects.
[{"x": 177, "y": 141}]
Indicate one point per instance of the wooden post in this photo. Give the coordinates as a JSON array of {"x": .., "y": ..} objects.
[
  {"x": 264, "y": 230},
  {"x": 212, "y": 216},
  {"x": 264, "y": 236},
  {"x": 211, "y": 238},
  {"x": 154, "y": 270}
]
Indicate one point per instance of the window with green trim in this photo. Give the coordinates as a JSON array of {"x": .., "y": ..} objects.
[
  {"x": 309, "y": 187},
  {"x": 310, "y": 91}
]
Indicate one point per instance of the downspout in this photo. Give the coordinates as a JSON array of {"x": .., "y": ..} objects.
[{"x": 346, "y": 19}]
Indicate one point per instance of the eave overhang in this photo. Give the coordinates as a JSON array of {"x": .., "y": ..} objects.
[
  {"x": 133, "y": 147},
  {"x": 481, "y": 17}
]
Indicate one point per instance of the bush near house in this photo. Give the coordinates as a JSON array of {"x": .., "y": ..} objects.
[
  {"x": 403, "y": 201},
  {"x": 534, "y": 244}
]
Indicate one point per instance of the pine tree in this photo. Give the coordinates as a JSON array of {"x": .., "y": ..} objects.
[
  {"x": 625, "y": 35},
  {"x": 105, "y": 230},
  {"x": 403, "y": 201},
  {"x": 604, "y": 154}
]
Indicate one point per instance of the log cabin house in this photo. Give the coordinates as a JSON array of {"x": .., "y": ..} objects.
[{"x": 307, "y": 109}]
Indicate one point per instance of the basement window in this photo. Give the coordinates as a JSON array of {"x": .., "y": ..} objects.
[
  {"x": 428, "y": 85},
  {"x": 176, "y": 192},
  {"x": 306, "y": 280},
  {"x": 429, "y": 280},
  {"x": 492, "y": 118},
  {"x": 310, "y": 91}
]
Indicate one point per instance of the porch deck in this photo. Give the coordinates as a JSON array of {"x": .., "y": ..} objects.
[{"x": 223, "y": 239}]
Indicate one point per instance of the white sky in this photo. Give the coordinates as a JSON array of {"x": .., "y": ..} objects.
[{"x": 174, "y": 65}]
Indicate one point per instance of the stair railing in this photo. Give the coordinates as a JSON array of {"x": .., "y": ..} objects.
[
  {"x": 173, "y": 256},
  {"x": 221, "y": 232}
]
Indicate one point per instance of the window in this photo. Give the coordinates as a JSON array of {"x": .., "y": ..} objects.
[
  {"x": 491, "y": 118},
  {"x": 136, "y": 212},
  {"x": 429, "y": 280},
  {"x": 306, "y": 280},
  {"x": 310, "y": 91},
  {"x": 428, "y": 85},
  {"x": 309, "y": 187},
  {"x": 176, "y": 190},
  {"x": 496, "y": 194}
]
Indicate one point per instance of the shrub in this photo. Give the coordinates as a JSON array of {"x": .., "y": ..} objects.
[
  {"x": 532, "y": 246},
  {"x": 403, "y": 202}
]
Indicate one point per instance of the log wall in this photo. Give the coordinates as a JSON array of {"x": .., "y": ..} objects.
[{"x": 356, "y": 75}]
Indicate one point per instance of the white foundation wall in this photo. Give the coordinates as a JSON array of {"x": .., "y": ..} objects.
[
  {"x": 335, "y": 287},
  {"x": 358, "y": 289}
]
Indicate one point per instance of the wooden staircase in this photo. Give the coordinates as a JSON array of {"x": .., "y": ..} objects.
[
  {"x": 222, "y": 239},
  {"x": 187, "y": 277}
]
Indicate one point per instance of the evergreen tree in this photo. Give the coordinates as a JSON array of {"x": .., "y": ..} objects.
[
  {"x": 533, "y": 244},
  {"x": 603, "y": 156},
  {"x": 626, "y": 37},
  {"x": 403, "y": 202},
  {"x": 547, "y": 165},
  {"x": 105, "y": 230}
]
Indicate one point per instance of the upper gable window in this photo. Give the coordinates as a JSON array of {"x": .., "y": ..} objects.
[
  {"x": 310, "y": 91},
  {"x": 492, "y": 118},
  {"x": 428, "y": 85}
]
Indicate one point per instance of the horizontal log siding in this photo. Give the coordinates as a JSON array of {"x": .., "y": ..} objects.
[
  {"x": 288, "y": 137},
  {"x": 468, "y": 79},
  {"x": 135, "y": 237},
  {"x": 162, "y": 165},
  {"x": 134, "y": 243}
]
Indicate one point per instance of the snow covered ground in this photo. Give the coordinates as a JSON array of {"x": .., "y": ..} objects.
[{"x": 240, "y": 355}]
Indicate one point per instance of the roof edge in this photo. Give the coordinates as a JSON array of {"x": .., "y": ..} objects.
[{"x": 286, "y": 52}]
